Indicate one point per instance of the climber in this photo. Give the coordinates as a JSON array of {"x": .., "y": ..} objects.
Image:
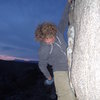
[{"x": 52, "y": 51}]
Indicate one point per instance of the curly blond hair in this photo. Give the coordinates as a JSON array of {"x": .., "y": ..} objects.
[{"x": 45, "y": 30}]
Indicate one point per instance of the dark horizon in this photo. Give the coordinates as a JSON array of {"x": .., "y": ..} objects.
[
  {"x": 18, "y": 60},
  {"x": 23, "y": 81}
]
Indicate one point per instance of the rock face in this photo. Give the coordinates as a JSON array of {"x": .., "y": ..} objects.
[{"x": 85, "y": 72}]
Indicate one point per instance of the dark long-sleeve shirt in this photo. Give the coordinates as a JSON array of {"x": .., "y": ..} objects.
[{"x": 55, "y": 54}]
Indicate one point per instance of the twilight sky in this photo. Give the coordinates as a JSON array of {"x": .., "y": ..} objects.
[{"x": 18, "y": 21}]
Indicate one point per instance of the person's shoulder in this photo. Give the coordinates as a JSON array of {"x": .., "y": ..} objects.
[{"x": 44, "y": 47}]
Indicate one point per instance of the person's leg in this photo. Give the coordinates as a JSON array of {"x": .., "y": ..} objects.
[{"x": 62, "y": 86}]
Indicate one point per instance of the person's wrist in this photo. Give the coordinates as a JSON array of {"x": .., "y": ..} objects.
[{"x": 49, "y": 81}]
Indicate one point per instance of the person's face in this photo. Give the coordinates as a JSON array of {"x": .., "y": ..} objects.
[{"x": 49, "y": 40}]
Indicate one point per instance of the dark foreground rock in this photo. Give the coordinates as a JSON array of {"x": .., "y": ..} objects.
[{"x": 23, "y": 81}]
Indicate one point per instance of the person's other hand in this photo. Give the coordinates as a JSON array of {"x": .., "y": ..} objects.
[
  {"x": 49, "y": 81},
  {"x": 50, "y": 78}
]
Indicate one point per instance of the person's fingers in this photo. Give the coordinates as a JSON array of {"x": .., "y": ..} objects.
[{"x": 50, "y": 78}]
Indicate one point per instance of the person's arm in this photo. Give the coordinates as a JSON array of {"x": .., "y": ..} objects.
[
  {"x": 63, "y": 24},
  {"x": 43, "y": 57}
]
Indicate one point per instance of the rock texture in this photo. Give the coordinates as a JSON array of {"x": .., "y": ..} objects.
[{"x": 85, "y": 72}]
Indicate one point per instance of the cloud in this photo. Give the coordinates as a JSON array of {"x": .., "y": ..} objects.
[{"x": 5, "y": 57}]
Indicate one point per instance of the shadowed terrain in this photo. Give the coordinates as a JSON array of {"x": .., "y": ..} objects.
[{"x": 23, "y": 81}]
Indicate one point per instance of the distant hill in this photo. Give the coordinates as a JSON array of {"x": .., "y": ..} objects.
[{"x": 18, "y": 60}]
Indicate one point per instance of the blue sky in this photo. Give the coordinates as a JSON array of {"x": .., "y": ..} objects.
[{"x": 18, "y": 21}]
